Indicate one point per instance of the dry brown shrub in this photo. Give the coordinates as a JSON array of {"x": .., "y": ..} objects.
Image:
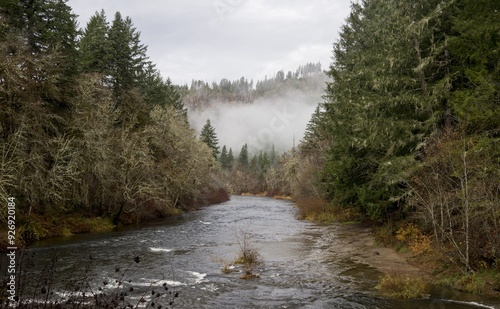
[{"x": 400, "y": 285}]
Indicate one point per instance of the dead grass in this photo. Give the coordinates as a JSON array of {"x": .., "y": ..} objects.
[
  {"x": 317, "y": 209},
  {"x": 399, "y": 285}
]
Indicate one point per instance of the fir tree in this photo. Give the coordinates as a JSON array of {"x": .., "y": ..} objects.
[
  {"x": 209, "y": 137},
  {"x": 475, "y": 49},
  {"x": 158, "y": 91},
  {"x": 128, "y": 56},
  {"x": 379, "y": 106},
  {"x": 315, "y": 131},
  {"x": 94, "y": 45},
  {"x": 243, "y": 156},
  {"x": 49, "y": 27},
  {"x": 224, "y": 159},
  {"x": 230, "y": 158}
]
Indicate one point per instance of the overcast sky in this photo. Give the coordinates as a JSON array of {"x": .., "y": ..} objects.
[{"x": 215, "y": 39}]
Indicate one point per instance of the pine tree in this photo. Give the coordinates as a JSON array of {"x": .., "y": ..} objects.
[
  {"x": 380, "y": 106},
  {"x": 209, "y": 137},
  {"x": 243, "y": 156},
  {"x": 475, "y": 48},
  {"x": 94, "y": 45},
  {"x": 49, "y": 27},
  {"x": 128, "y": 56},
  {"x": 223, "y": 158},
  {"x": 230, "y": 158}
]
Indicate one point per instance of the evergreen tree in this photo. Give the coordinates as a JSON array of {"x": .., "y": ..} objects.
[
  {"x": 243, "y": 156},
  {"x": 254, "y": 164},
  {"x": 379, "y": 106},
  {"x": 230, "y": 158},
  {"x": 272, "y": 156},
  {"x": 223, "y": 158},
  {"x": 94, "y": 45},
  {"x": 128, "y": 58},
  {"x": 158, "y": 91},
  {"x": 49, "y": 27},
  {"x": 209, "y": 137},
  {"x": 315, "y": 132},
  {"x": 475, "y": 50},
  {"x": 174, "y": 99}
]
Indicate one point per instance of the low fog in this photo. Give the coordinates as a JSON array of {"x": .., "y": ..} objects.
[{"x": 279, "y": 120}]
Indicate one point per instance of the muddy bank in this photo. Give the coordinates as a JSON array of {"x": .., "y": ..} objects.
[{"x": 358, "y": 240}]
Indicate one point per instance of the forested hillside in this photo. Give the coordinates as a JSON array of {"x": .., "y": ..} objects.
[
  {"x": 200, "y": 94},
  {"x": 88, "y": 127},
  {"x": 255, "y": 118},
  {"x": 410, "y": 125}
]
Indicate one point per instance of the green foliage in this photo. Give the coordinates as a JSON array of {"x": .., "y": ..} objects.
[
  {"x": 128, "y": 56},
  {"x": 117, "y": 54},
  {"x": 475, "y": 48},
  {"x": 209, "y": 137},
  {"x": 230, "y": 158},
  {"x": 95, "y": 50},
  {"x": 226, "y": 159},
  {"x": 410, "y": 122},
  {"x": 243, "y": 156},
  {"x": 380, "y": 105}
]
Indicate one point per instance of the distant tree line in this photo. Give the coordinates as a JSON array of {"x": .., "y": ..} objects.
[
  {"x": 244, "y": 173},
  {"x": 201, "y": 94},
  {"x": 87, "y": 123}
]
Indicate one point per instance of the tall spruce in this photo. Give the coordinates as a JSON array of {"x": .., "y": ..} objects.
[
  {"x": 50, "y": 29},
  {"x": 128, "y": 57},
  {"x": 224, "y": 159},
  {"x": 475, "y": 51},
  {"x": 209, "y": 137},
  {"x": 243, "y": 156},
  {"x": 94, "y": 45},
  {"x": 230, "y": 158},
  {"x": 379, "y": 105}
]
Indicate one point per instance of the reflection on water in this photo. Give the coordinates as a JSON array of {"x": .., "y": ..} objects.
[{"x": 182, "y": 255}]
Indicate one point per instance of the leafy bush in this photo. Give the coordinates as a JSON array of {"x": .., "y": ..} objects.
[{"x": 411, "y": 235}]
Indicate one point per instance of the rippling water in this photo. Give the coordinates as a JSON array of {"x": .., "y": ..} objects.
[{"x": 301, "y": 267}]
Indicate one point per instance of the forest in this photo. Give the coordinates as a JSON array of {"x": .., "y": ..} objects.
[
  {"x": 407, "y": 135},
  {"x": 93, "y": 142}
]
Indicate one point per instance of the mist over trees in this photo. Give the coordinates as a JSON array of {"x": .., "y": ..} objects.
[
  {"x": 201, "y": 94},
  {"x": 254, "y": 137},
  {"x": 88, "y": 125}
]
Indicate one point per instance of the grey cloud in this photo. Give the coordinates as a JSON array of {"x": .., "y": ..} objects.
[{"x": 192, "y": 40}]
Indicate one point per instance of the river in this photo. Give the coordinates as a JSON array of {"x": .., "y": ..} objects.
[{"x": 185, "y": 254}]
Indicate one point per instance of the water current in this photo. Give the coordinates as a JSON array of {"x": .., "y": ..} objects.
[{"x": 303, "y": 267}]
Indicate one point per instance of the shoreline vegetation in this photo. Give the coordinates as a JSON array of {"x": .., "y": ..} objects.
[
  {"x": 410, "y": 263},
  {"x": 407, "y": 137},
  {"x": 50, "y": 225},
  {"x": 400, "y": 246}
]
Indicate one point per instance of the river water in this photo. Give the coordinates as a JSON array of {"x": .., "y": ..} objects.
[{"x": 185, "y": 254}]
